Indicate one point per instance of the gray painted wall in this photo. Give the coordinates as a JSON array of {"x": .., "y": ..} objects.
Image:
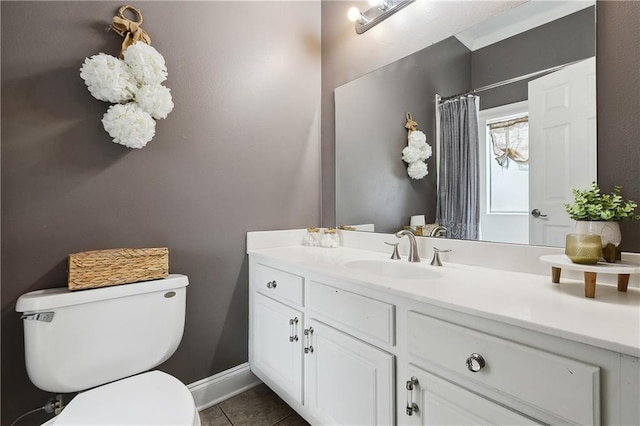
[
  {"x": 618, "y": 80},
  {"x": 239, "y": 152},
  {"x": 562, "y": 41},
  {"x": 618, "y": 91},
  {"x": 370, "y": 118}
]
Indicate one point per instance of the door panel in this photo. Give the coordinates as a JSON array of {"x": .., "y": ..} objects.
[
  {"x": 347, "y": 382},
  {"x": 277, "y": 343},
  {"x": 562, "y": 147}
]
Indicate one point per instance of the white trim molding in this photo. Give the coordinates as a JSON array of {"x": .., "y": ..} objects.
[{"x": 219, "y": 387}]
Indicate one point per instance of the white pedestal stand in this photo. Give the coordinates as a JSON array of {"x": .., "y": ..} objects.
[{"x": 622, "y": 269}]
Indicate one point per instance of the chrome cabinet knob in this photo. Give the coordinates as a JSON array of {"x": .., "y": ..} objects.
[
  {"x": 272, "y": 284},
  {"x": 475, "y": 363}
]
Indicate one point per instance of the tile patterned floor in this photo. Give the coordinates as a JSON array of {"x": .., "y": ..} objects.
[{"x": 258, "y": 406}]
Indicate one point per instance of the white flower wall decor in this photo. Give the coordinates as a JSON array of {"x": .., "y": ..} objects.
[
  {"x": 133, "y": 82},
  {"x": 417, "y": 151}
]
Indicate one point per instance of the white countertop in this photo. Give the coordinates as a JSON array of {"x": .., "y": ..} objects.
[{"x": 610, "y": 321}]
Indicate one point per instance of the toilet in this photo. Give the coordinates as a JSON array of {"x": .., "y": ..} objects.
[{"x": 102, "y": 343}]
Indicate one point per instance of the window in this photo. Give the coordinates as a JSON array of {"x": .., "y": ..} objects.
[
  {"x": 507, "y": 160},
  {"x": 504, "y": 184}
]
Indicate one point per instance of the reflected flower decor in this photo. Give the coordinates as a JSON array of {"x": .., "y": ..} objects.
[
  {"x": 417, "y": 150},
  {"x": 132, "y": 82}
]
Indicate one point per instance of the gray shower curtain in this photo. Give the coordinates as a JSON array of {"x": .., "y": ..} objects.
[{"x": 458, "y": 205}]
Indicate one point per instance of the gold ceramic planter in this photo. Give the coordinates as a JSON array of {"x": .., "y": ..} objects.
[{"x": 583, "y": 249}]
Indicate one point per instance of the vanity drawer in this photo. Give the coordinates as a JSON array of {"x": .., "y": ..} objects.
[
  {"x": 562, "y": 387},
  {"x": 355, "y": 313},
  {"x": 278, "y": 284}
]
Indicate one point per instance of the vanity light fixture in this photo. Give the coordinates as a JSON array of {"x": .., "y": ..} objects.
[{"x": 379, "y": 11}]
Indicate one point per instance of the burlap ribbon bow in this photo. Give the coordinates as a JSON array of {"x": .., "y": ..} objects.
[
  {"x": 130, "y": 30},
  {"x": 410, "y": 125}
]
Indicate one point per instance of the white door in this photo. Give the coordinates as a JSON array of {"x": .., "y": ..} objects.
[
  {"x": 562, "y": 147},
  {"x": 435, "y": 401},
  {"x": 277, "y": 344},
  {"x": 347, "y": 381}
]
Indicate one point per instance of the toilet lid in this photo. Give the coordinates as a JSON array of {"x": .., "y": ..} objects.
[{"x": 153, "y": 398}]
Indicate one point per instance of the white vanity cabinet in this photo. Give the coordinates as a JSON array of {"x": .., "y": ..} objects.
[
  {"x": 321, "y": 370},
  {"x": 343, "y": 352}
]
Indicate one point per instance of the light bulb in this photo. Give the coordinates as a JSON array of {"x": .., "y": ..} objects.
[{"x": 353, "y": 14}]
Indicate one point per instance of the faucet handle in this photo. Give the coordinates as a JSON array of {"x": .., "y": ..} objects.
[
  {"x": 437, "y": 250},
  {"x": 436, "y": 256},
  {"x": 395, "y": 254}
]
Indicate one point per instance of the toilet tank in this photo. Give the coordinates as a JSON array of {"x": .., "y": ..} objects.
[{"x": 82, "y": 339}]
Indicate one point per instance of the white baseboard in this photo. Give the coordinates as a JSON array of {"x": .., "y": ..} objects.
[{"x": 219, "y": 387}]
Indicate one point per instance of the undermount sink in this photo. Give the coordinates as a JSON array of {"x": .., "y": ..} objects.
[{"x": 394, "y": 269}]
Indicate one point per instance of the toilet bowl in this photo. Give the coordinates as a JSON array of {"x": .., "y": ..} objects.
[{"x": 102, "y": 343}]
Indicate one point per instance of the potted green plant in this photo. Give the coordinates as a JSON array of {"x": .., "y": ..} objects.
[{"x": 597, "y": 213}]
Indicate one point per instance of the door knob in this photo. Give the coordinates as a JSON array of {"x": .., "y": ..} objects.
[{"x": 536, "y": 213}]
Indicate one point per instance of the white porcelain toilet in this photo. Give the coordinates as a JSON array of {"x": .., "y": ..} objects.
[{"x": 101, "y": 343}]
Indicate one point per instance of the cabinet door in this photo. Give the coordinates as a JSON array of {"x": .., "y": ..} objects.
[
  {"x": 436, "y": 401},
  {"x": 277, "y": 344},
  {"x": 347, "y": 382}
]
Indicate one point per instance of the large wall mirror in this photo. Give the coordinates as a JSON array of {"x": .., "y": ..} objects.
[{"x": 531, "y": 61}]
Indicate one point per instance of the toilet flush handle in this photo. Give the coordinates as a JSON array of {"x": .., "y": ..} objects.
[{"x": 39, "y": 316}]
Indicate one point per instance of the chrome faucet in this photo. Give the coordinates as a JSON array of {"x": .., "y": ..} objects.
[
  {"x": 413, "y": 247},
  {"x": 438, "y": 231}
]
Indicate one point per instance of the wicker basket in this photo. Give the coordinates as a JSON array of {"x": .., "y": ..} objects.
[{"x": 100, "y": 268}]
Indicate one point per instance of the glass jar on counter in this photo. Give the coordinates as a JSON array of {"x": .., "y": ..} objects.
[
  {"x": 312, "y": 237},
  {"x": 330, "y": 238}
]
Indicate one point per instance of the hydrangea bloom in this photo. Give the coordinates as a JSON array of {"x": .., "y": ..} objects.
[
  {"x": 145, "y": 63},
  {"x": 417, "y": 170},
  {"x": 425, "y": 151},
  {"x": 415, "y": 153},
  {"x": 108, "y": 78},
  {"x": 156, "y": 100},
  {"x": 417, "y": 138},
  {"x": 410, "y": 154},
  {"x": 129, "y": 125},
  {"x": 134, "y": 85}
]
